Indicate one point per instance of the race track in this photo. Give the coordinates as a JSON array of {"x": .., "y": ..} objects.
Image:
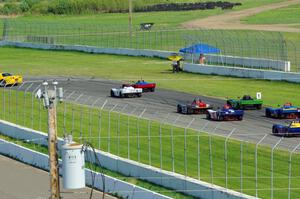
[{"x": 161, "y": 105}]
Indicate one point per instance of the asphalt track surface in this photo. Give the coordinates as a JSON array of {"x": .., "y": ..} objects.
[
  {"x": 21, "y": 181},
  {"x": 161, "y": 106}
]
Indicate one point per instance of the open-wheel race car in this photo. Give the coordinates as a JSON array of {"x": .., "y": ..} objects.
[
  {"x": 246, "y": 102},
  {"x": 9, "y": 79},
  {"x": 293, "y": 129},
  {"x": 196, "y": 107},
  {"x": 146, "y": 86},
  {"x": 126, "y": 92},
  {"x": 286, "y": 111},
  {"x": 225, "y": 114}
]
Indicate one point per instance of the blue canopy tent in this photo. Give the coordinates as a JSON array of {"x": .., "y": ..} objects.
[{"x": 200, "y": 49}]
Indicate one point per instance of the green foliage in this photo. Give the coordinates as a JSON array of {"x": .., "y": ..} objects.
[{"x": 10, "y": 9}]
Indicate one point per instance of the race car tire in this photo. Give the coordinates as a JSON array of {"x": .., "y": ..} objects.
[
  {"x": 221, "y": 118},
  {"x": 189, "y": 110},
  {"x": 139, "y": 95},
  {"x": 152, "y": 89},
  {"x": 2, "y": 83},
  {"x": 208, "y": 116},
  {"x": 258, "y": 107},
  {"x": 268, "y": 113},
  {"x": 240, "y": 118},
  {"x": 122, "y": 95},
  {"x": 112, "y": 94},
  {"x": 179, "y": 109}
]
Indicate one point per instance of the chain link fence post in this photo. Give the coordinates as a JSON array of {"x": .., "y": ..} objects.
[
  {"x": 272, "y": 167},
  {"x": 256, "y": 167},
  {"x": 226, "y": 158},
  {"x": 290, "y": 169}
]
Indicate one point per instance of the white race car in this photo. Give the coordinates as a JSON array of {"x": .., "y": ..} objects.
[{"x": 126, "y": 92}]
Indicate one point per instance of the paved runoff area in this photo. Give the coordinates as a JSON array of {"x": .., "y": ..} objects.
[{"x": 21, "y": 181}]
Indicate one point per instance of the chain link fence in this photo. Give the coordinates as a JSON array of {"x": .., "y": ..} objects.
[
  {"x": 261, "y": 169},
  {"x": 240, "y": 43}
]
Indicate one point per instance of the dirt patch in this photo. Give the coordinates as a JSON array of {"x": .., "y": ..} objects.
[{"x": 232, "y": 20}]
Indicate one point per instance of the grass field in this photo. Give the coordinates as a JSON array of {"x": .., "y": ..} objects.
[
  {"x": 139, "y": 140},
  {"x": 51, "y": 63},
  {"x": 288, "y": 15}
]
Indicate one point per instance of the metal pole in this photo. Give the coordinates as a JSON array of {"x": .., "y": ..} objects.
[
  {"x": 108, "y": 141},
  {"x": 198, "y": 155},
  {"x": 100, "y": 123},
  {"x": 4, "y": 103},
  {"x": 149, "y": 141},
  {"x": 160, "y": 140},
  {"x": 138, "y": 134},
  {"x": 185, "y": 146},
  {"x": 226, "y": 159},
  {"x": 211, "y": 161},
  {"x": 290, "y": 169},
  {"x": 256, "y": 178},
  {"x": 272, "y": 166},
  {"x": 172, "y": 143},
  {"x": 32, "y": 103},
  {"x": 118, "y": 130},
  {"x": 241, "y": 167},
  {"x": 130, "y": 17},
  {"x": 128, "y": 138},
  {"x": 24, "y": 105}
]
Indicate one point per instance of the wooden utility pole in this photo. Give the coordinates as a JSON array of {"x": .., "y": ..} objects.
[
  {"x": 52, "y": 144},
  {"x": 130, "y": 17}
]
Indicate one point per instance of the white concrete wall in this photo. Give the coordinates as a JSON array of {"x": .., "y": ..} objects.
[
  {"x": 131, "y": 168},
  {"x": 248, "y": 62},
  {"x": 112, "y": 185},
  {"x": 242, "y": 72}
]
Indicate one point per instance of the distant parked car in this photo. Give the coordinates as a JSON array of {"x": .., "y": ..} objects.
[
  {"x": 247, "y": 102},
  {"x": 196, "y": 107},
  {"x": 126, "y": 92},
  {"x": 292, "y": 129},
  {"x": 286, "y": 111},
  {"x": 225, "y": 114}
]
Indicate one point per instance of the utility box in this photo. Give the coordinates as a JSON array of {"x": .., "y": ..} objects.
[{"x": 73, "y": 166}]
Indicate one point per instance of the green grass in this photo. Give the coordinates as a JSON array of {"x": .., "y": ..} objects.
[
  {"x": 287, "y": 15},
  {"x": 132, "y": 180},
  {"x": 143, "y": 139},
  {"x": 169, "y": 19},
  {"x": 52, "y": 63}
]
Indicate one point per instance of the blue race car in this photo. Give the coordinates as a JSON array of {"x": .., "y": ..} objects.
[
  {"x": 292, "y": 129},
  {"x": 224, "y": 114},
  {"x": 286, "y": 111}
]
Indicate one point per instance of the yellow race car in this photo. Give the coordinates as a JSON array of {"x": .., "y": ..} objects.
[{"x": 9, "y": 79}]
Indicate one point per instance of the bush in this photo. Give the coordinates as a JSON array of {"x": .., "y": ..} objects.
[{"x": 10, "y": 9}]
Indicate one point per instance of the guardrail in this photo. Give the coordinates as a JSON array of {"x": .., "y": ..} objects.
[
  {"x": 242, "y": 72},
  {"x": 127, "y": 167}
]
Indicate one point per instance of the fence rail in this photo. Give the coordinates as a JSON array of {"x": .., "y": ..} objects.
[
  {"x": 242, "y": 43},
  {"x": 258, "y": 170}
]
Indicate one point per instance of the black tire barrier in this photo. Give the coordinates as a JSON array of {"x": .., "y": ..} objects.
[{"x": 187, "y": 6}]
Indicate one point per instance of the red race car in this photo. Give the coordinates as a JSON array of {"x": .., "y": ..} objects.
[
  {"x": 146, "y": 86},
  {"x": 196, "y": 107}
]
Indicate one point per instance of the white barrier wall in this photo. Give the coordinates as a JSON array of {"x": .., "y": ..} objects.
[
  {"x": 249, "y": 62},
  {"x": 242, "y": 72},
  {"x": 112, "y": 185},
  {"x": 127, "y": 167},
  {"x": 218, "y": 59}
]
